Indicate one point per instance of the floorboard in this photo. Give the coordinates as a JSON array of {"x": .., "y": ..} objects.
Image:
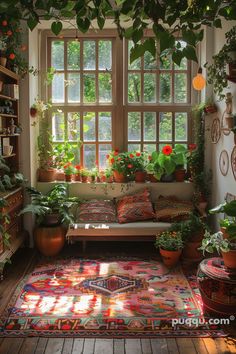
[
  {"x": 159, "y": 346},
  {"x": 119, "y": 346},
  {"x": 54, "y": 346},
  {"x": 199, "y": 346},
  {"x": 185, "y": 345},
  {"x": 78, "y": 346},
  {"x": 29, "y": 345},
  {"x": 67, "y": 346},
  {"x": 146, "y": 346},
  {"x": 89, "y": 346},
  {"x": 103, "y": 346},
  {"x": 133, "y": 346},
  {"x": 172, "y": 346},
  {"x": 42, "y": 343}
]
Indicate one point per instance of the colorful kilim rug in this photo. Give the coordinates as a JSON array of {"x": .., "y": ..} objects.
[{"x": 131, "y": 298}]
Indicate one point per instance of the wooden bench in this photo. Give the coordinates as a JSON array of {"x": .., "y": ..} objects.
[{"x": 137, "y": 231}]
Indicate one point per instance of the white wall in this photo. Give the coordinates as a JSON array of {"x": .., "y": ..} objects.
[{"x": 220, "y": 184}]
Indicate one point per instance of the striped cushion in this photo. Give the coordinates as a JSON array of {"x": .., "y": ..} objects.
[
  {"x": 96, "y": 211},
  {"x": 135, "y": 207},
  {"x": 172, "y": 209}
]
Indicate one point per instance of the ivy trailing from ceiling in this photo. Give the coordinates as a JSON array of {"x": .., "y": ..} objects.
[{"x": 132, "y": 17}]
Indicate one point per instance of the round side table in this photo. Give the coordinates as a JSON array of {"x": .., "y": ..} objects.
[{"x": 217, "y": 285}]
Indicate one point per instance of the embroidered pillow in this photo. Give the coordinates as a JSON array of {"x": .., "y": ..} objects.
[
  {"x": 172, "y": 209},
  {"x": 96, "y": 211},
  {"x": 135, "y": 207}
]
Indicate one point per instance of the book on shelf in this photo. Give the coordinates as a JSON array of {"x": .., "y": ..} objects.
[{"x": 11, "y": 90}]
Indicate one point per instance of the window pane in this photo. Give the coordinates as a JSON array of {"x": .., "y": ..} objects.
[
  {"x": 149, "y": 61},
  {"x": 89, "y": 126},
  {"x": 134, "y": 147},
  {"x": 165, "y": 62},
  {"x": 73, "y": 126},
  {"x": 73, "y": 87},
  {"x": 134, "y": 126},
  {"x": 104, "y": 126},
  {"x": 165, "y": 126},
  {"x": 104, "y": 55},
  {"x": 89, "y": 55},
  {"x": 183, "y": 65},
  {"x": 165, "y": 87},
  {"x": 149, "y": 87},
  {"x": 104, "y": 150},
  {"x": 58, "y": 126},
  {"x": 149, "y": 148},
  {"x": 181, "y": 126},
  {"x": 58, "y": 94},
  {"x": 180, "y": 87},
  {"x": 134, "y": 87},
  {"x": 58, "y": 55},
  {"x": 89, "y": 156},
  {"x": 89, "y": 88},
  {"x": 104, "y": 81},
  {"x": 73, "y": 55},
  {"x": 149, "y": 122},
  {"x": 135, "y": 64}
]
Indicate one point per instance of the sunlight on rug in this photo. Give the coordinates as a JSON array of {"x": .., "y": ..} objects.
[{"x": 101, "y": 298}]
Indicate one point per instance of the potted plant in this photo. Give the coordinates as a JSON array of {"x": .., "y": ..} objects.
[
  {"x": 46, "y": 171},
  {"x": 121, "y": 165},
  {"x": 69, "y": 171},
  {"x": 170, "y": 244},
  {"x": 108, "y": 175},
  {"x": 77, "y": 175},
  {"x": 217, "y": 243},
  {"x": 217, "y": 71},
  {"x": 3, "y": 47},
  {"x": 63, "y": 153},
  {"x": 139, "y": 162},
  {"x": 228, "y": 224},
  {"x": 93, "y": 174},
  {"x": 84, "y": 175},
  {"x": 53, "y": 212}
]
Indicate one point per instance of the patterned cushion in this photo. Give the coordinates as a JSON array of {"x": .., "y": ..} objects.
[
  {"x": 172, "y": 209},
  {"x": 135, "y": 207},
  {"x": 96, "y": 211}
]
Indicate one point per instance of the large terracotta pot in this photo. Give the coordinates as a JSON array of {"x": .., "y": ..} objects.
[
  {"x": 170, "y": 258},
  {"x": 140, "y": 176},
  {"x": 46, "y": 175},
  {"x": 49, "y": 240},
  {"x": 229, "y": 259},
  {"x": 180, "y": 175},
  {"x": 119, "y": 177}
]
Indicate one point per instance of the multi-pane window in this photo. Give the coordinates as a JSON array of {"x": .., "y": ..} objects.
[
  {"x": 82, "y": 96},
  {"x": 101, "y": 99}
]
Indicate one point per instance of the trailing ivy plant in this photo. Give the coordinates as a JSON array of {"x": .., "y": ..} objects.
[{"x": 166, "y": 18}]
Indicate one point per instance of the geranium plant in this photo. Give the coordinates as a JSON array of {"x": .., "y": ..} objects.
[
  {"x": 169, "y": 241},
  {"x": 121, "y": 162},
  {"x": 69, "y": 169}
]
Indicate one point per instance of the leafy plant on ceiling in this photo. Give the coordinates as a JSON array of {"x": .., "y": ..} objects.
[{"x": 131, "y": 17}]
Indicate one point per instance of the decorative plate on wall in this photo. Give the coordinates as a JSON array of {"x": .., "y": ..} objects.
[
  {"x": 215, "y": 131},
  {"x": 224, "y": 128},
  {"x": 233, "y": 162},
  {"x": 224, "y": 162}
]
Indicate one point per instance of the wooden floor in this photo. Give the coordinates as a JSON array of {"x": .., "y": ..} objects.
[{"x": 36, "y": 345}]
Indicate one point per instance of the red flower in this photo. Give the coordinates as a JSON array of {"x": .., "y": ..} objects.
[
  {"x": 119, "y": 159},
  {"x": 107, "y": 156},
  {"x": 116, "y": 153},
  {"x": 78, "y": 167},
  {"x": 116, "y": 150},
  {"x": 192, "y": 147},
  {"x": 12, "y": 56},
  {"x": 131, "y": 155},
  {"x": 4, "y": 23},
  {"x": 9, "y": 33},
  {"x": 129, "y": 165},
  {"x": 23, "y": 47},
  {"x": 112, "y": 160},
  {"x": 138, "y": 154},
  {"x": 149, "y": 157},
  {"x": 167, "y": 150}
]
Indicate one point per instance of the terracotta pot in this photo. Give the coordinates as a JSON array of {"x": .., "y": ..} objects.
[
  {"x": 190, "y": 253},
  {"x": 49, "y": 240},
  {"x": 152, "y": 178},
  {"x": 46, "y": 175},
  {"x": 180, "y": 175},
  {"x": 3, "y": 61},
  {"x": 170, "y": 258},
  {"x": 119, "y": 177},
  {"x": 229, "y": 121},
  {"x": 84, "y": 179},
  {"x": 229, "y": 259},
  {"x": 224, "y": 232},
  {"x": 68, "y": 178},
  {"x": 51, "y": 219},
  {"x": 140, "y": 176},
  {"x": 60, "y": 175},
  {"x": 77, "y": 177}
]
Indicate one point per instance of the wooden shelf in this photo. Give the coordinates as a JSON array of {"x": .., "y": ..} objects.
[
  {"x": 7, "y": 156},
  {"x": 9, "y": 73},
  {"x": 10, "y": 135},
  {"x": 8, "y": 115},
  {"x": 7, "y": 97}
]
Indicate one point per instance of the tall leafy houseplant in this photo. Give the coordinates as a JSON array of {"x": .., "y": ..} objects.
[{"x": 228, "y": 224}]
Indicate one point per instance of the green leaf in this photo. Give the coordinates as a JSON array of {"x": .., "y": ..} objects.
[
  {"x": 67, "y": 13},
  {"x": 136, "y": 52},
  {"x": 101, "y": 22},
  {"x": 150, "y": 46},
  {"x": 83, "y": 24},
  {"x": 177, "y": 56},
  {"x": 56, "y": 27},
  {"x": 167, "y": 40},
  {"x": 128, "y": 32},
  {"x": 32, "y": 23},
  {"x": 190, "y": 53},
  {"x": 217, "y": 23},
  {"x": 189, "y": 37},
  {"x": 137, "y": 35}
]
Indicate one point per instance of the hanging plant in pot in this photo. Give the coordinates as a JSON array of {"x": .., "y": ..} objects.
[{"x": 170, "y": 244}]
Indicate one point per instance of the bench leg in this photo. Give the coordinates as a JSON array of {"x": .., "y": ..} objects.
[{"x": 84, "y": 246}]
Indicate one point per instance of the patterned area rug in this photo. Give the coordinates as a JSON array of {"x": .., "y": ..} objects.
[{"x": 131, "y": 298}]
